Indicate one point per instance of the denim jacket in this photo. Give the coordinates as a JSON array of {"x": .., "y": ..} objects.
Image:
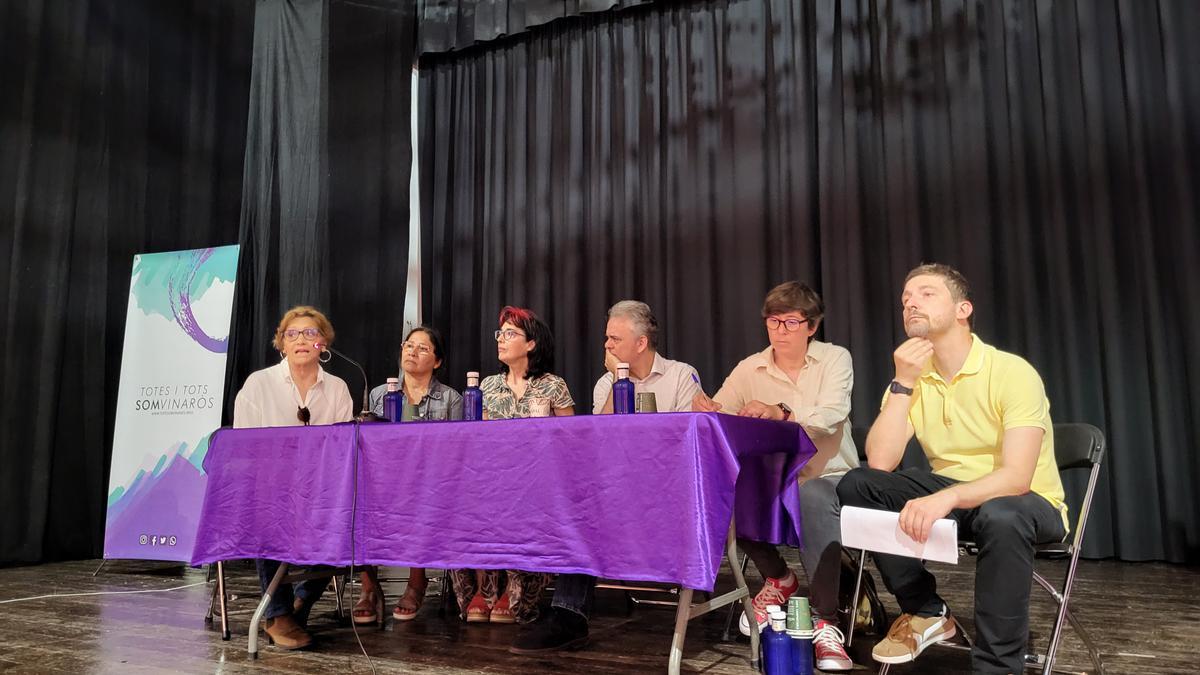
[{"x": 440, "y": 403}]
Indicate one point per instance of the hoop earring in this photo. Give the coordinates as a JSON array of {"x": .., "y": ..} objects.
[
  {"x": 282, "y": 355},
  {"x": 325, "y": 353}
]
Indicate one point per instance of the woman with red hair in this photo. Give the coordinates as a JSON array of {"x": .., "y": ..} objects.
[{"x": 525, "y": 348}]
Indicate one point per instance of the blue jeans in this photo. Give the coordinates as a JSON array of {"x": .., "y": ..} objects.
[
  {"x": 281, "y": 603},
  {"x": 574, "y": 593}
]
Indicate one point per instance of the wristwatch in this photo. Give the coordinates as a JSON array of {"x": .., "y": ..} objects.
[
  {"x": 897, "y": 388},
  {"x": 787, "y": 412}
]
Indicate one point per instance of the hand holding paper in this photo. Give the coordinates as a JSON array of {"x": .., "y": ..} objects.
[{"x": 880, "y": 531}]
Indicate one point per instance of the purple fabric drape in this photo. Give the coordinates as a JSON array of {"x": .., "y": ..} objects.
[{"x": 637, "y": 497}]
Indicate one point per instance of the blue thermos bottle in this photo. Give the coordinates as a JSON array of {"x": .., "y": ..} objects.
[
  {"x": 393, "y": 401},
  {"x": 472, "y": 398},
  {"x": 623, "y": 397}
]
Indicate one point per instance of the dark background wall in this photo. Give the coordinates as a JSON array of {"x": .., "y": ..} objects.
[{"x": 690, "y": 153}]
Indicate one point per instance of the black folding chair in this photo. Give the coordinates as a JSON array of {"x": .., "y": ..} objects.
[{"x": 1076, "y": 447}]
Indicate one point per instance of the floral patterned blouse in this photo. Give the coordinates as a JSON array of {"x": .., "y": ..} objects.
[{"x": 500, "y": 404}]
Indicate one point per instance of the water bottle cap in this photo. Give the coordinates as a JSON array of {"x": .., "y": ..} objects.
[
  {"x": 777, "y": 615},
  {"x": 771, "y": 609},
  {"x": 777, "y": 625},
  {"x": 394, "y": 380},
  {"x": 472, "y": 373}
]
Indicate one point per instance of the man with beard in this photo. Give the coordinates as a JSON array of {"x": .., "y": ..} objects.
[{"x": 983, "y": 421}]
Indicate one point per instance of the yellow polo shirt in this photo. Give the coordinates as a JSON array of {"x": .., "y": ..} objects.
[{"x": 961, "y": 423}]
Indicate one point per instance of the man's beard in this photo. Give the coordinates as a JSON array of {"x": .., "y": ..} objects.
[{"x": 918, "y": 329}]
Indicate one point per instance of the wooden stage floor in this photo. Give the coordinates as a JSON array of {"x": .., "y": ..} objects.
[{"x": 1146, "y": 618}]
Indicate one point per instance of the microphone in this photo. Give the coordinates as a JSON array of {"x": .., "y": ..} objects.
[{"x": 366, "y": 415}]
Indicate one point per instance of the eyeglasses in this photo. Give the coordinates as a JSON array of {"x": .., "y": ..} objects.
[
  {"x": 293, "y": 333},
  {"x": 303, "y": 415},
  {"x": 509, "y": 334},
  {"x": 419, "y": 348},
  {"x": 790, "y": 324}
]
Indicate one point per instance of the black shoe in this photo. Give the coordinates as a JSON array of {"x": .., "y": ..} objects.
[{"x": 560, "y": 629}]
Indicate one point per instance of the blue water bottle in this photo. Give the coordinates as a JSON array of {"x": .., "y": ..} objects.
[
  {"x": 393, "y": 401},
  {"x": 472, "y": 398},
  {"x": 622, "y": 391},
  {"x": 800, "y": 630},
  {"x": 777, "y": 646}
]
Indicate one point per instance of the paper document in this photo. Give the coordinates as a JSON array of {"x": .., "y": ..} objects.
[{"x": 880, "y": 531}]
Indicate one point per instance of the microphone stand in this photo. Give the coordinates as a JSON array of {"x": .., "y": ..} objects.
[{"x": 366, "y": 415}]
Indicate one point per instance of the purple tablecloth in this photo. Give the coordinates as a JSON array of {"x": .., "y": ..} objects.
[{"x": 635, "y": 497}]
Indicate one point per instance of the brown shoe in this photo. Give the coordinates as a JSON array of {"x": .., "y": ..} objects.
[
  {"x": 910, "y": 635},
  {"x": 286, "y": 633}
]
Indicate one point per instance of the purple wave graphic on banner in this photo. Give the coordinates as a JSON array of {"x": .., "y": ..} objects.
[
  {"x": 181, "y": 305},
  {"x": 157, "y": 518}
]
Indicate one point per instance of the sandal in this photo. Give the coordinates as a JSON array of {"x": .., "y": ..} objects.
[
  {"x": 410, "y": 603},
  {"x": 501, "y": 611},
  {"x": 477, "y": 610},
  {"x": 369, "y": 608}
]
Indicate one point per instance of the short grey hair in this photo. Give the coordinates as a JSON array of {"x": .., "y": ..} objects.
[{"x": 640, "y": 316}]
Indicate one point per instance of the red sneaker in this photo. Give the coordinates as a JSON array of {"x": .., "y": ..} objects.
[
  {"x": 774, "y": 592},
  {"x": 828, "y": 648}
]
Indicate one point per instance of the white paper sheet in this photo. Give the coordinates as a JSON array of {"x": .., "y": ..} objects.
[{"x": 879, "y": 531}]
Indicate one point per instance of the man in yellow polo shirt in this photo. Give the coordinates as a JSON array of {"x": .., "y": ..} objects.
[{"x": 982, "y": 418}]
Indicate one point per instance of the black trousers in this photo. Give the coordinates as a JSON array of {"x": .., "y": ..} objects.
[{"x": 1005, "y": 528}]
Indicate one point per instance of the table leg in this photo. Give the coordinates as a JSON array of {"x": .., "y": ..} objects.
[
  {"x": 224, "y": 602},
  {"x": 683, "y": 612},
  {"x": 252, "y": 645},
  {"x": 747, "y": 602}
]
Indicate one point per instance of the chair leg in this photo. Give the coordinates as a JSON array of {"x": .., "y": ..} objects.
[
  {"x": 855, "y": 599},
  {"x": 734, "y": 609}
]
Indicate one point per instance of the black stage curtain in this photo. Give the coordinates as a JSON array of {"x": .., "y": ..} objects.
[
  {"x": 695, "y": 154},
  {"x": 138, "y": 125},
  {"x": 122, "y": 126},
  {"x": 455, "y": 24},
  {"x": 325, "y": 216}
]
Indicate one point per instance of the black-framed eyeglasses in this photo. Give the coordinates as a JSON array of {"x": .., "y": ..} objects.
[
  {"x": 507, "y": 334},
  {"x": 303, "y": 415},
  {"x": 791, "y": 325},
  {"x": 293, "y": 333}
]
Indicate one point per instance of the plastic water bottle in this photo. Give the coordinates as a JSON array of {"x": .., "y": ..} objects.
[
  {"x": 777, "y": 646},
  {"x": 622, "y": 390},
  {"x": 393, "y": 401},
  {"x": 472, "y": 398},
  {"x": 800, "y": 630}
]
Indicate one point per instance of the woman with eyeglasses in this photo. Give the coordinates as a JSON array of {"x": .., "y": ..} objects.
[
  {"x": 425, "y": 398},
  {"x": 525, "y": 348},
  {"x": 807, "y": 382},
  {"x": 295, "y": 391}
]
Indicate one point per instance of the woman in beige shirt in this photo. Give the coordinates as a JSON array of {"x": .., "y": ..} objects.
[{"x": 800, "y": 380}]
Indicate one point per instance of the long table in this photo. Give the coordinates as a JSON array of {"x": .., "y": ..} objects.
[{"x": 646, "y": 497}]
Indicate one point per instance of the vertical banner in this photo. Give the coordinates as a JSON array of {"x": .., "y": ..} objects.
[{"x": 170, "y": 400}]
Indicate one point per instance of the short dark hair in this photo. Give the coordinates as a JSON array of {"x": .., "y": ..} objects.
[
  {"x": 541, "y": 358},
  {"x": 795, "y": 296},
  {"x": 435, "y": 338},
  {"x": 960, "y": 290}
]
